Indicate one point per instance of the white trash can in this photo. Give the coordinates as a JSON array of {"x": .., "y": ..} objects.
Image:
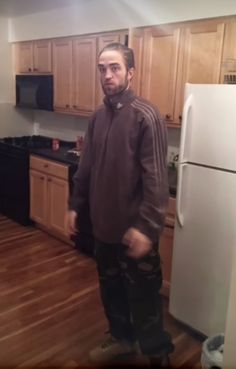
[{"x": 212, "y": 352}]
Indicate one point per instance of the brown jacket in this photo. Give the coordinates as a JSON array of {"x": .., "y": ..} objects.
[{"x": 122, "y": 174}]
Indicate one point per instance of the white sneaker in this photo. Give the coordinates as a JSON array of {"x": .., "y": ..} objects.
[{"x": 110, "y": 350}]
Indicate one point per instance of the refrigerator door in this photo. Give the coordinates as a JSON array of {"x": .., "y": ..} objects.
[
  {"x": 205, "y": 234},
  {"x": 209, "y": 126}
]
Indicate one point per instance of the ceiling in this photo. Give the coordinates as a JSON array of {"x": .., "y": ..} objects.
[{"x": 15, "y": 8}]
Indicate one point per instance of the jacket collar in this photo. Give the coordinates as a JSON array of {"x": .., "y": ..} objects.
[{"x": 117, "y": 102}]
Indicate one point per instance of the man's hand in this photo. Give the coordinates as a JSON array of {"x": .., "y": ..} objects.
[
  {"x": 70, "y": 222},
  {"x": 138, "y": 243}
]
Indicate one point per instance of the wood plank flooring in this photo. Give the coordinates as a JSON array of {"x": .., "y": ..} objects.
[{"x": 50, "y": 310}]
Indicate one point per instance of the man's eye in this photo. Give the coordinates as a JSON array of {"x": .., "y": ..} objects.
[
  {"x": 115, "y": 68},
  {"x": 102, "y": 69}
]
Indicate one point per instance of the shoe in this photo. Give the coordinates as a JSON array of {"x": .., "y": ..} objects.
[
  {"x": 159, "y": 362},
  {"x": 111, "y": 349}
]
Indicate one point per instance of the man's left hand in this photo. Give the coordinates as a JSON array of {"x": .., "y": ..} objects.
[{"x": 138, "y": 243}]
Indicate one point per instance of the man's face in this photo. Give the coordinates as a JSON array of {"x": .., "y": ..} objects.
[{"x": 113, "y": 72}]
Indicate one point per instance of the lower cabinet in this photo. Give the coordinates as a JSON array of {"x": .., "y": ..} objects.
[
  {"x": 49, "y": 191},
  {"x": 165, "y": 249},
  {"x": 166, "y": 246}
]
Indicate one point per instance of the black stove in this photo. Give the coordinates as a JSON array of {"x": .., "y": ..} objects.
[
  {"x": 34, "y": 141},
  {"x": 14, "y": 174}
]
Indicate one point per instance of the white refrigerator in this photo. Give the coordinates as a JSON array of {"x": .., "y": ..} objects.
[{"x": 205, "y": 228}]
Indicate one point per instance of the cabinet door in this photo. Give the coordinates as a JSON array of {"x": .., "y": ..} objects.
[
  {"x": 84, "y": 74},
  {"x": 200, "y": 58},
  {"x": 136, "y": 42},
  {"x": 25, "y": 57},
  {"x": 103, "y": 40},
  {"x": 229, "y": 50},
  {"x": 57, "y": 203},
  {"x": 42, "y": 56},
  {"x": 165, "y": 249},
  {"x": 62, "y": 69},
  {"x": 160, "y": 68},
  {"x": 38, "y": 197}
]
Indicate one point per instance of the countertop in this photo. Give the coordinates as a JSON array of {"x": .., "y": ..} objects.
[{"x": 61, "y": 155}]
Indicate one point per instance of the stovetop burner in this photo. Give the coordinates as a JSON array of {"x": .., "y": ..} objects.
[{"x": 34, "y": 141}]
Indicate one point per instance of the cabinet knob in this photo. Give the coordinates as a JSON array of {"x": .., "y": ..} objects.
[
  {"x": 49, "y": 180},
  {"x": 42, "y": 178},
  {"x": 29, "y": 69},
  {"x": 180, "y": 118},
  {"x": 74, "y": 106},
  {"x": 45, "y": 165},
  {"x": 168, "y": 116},
  {"x": 67, "y": 106}
]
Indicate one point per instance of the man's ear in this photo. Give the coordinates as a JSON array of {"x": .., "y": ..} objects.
[{"x": 130, "y": 74}]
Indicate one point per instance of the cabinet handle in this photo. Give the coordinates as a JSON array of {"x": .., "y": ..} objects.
[
  {"x": 168, "y": 116},
  {"x": 180, "y": 118},
  {"x": 29, "y": 69}
]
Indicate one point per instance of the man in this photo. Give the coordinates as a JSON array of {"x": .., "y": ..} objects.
[{"x": 122, "y": 180}]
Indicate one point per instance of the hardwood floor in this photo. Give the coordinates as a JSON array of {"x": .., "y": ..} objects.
[{"x": 50, "y": 310}]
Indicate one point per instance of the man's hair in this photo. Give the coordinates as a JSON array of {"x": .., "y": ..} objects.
[{"x": 127, "y": 53}]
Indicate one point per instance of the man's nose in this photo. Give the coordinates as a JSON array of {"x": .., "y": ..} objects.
[{"x": 108, "y": 74}]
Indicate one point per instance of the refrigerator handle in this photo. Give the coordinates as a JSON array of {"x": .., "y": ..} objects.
[
  {"x": 179, "y": 205},
  {"x": 186, "y": 110}
]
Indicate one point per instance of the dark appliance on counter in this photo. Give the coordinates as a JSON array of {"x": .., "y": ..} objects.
[
  {"x": 34, "y": 92},
  {"x": 14, "y": 175}
]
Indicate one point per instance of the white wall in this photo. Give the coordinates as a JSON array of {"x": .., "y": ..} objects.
[
  {"x": 6, "y": 79},
  {"x": 104, "y": 15},
  {"x": 12, "y": 122},
  {"x": 60, "y": 126}
]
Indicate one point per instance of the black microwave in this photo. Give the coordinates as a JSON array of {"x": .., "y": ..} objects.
[{"x": 34, "y": 91}]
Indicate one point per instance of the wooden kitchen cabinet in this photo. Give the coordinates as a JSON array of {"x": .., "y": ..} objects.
[
  {"x": 166, "y": 247},
  {"x": 62, "y": 71},
  {"x": 49, "y": 191},
  {"x": 34, "y": 57},
  {"x": 84, "y": 74},
  {"x": 160, "y": 67},
  {"x": 136, "y": 42},
  {"x": 199, "y": 57},
  {"x": 171, "y": 55},
  {"x": 74, "y": 68},
  {"x": 228, "y": 65}
]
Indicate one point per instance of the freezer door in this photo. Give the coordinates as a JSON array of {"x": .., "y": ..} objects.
[
  {"x": 209, "y": 126},
  {"x": 205, "y": 234}
]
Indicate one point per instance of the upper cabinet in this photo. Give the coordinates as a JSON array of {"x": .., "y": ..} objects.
[
  {"x": 228, "y": 65},
  {"x": 161, "y": 53},
  {"x": 76, "y": 82},
  {"x": 136, "y": 42},
  {"x": 62, "y": 72},
  {"x": 74, "y": 75},
  {"x": 34, "y": 57},
  {"x": 84, "y": 74},
  {"x": 199, "y": 57},
  {"x": 171, "y": 55}
]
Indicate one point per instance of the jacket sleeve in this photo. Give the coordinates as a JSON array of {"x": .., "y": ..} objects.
[
  {"x": 81, "y": 181},
  {"x": 155, "y": 192}
]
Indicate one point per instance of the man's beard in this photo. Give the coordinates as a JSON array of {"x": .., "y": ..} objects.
[{"x": 110, "y": 90}]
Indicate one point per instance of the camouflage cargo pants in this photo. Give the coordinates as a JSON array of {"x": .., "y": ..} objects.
[{"x": 130, "y": 295}]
